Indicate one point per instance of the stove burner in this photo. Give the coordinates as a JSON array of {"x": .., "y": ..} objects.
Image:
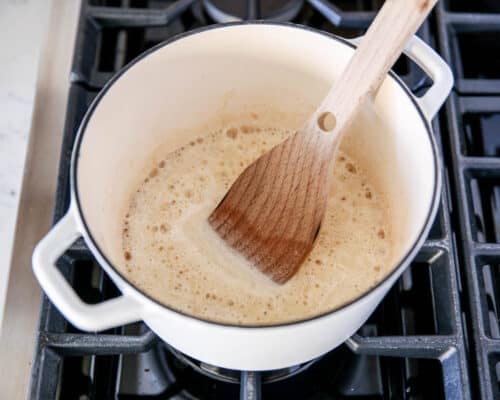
[
  {"x": 234, "y": 376},
  {"x": 236, "y": 10},
  {"x": 164, "y": 373}
]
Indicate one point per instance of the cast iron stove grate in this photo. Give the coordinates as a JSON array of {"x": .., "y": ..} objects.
[
  {"x": 413, "y": 346},
  {"x": 469, "y": 38}
]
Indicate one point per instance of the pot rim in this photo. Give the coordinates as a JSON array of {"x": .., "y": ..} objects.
[{"x": 404, "y": 260}]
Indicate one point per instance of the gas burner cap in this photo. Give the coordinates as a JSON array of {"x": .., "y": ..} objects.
[
  {"x": 237, "y": 10},
  {"x": 234, "y": 376}
]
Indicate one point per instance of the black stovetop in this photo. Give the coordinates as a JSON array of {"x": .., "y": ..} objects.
[{"x": 437, "y": 333}]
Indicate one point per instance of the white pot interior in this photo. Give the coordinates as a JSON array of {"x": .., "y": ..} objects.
[{"x": 207, "y": 80}]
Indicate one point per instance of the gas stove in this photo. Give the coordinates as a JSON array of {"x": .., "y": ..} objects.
[{"x": 436, "y": 335}]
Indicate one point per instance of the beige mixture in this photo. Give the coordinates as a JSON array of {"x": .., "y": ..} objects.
[{"x": 174, "y": 256}]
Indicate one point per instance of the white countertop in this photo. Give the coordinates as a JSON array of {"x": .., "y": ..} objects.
[
  {"x": 36, "y": 48},
  {"x": 24, "y": 24}
]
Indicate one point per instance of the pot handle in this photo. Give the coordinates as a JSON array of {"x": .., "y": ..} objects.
[
  {"x": 88, "y": 317},
  {"x": 435, "y": 67}
]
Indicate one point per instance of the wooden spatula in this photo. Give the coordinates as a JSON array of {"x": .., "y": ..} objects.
[{"x": 272, "y": 213}]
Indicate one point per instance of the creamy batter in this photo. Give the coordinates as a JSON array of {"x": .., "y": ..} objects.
[{"x": 172, "y": 253}]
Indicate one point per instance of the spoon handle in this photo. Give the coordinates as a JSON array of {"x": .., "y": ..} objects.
[{"x": 384, "y": 41}]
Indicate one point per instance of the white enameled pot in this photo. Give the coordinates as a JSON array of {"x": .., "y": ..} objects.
[{"x": 207, "y": 79}]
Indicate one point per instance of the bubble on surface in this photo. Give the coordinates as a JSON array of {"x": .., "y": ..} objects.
[
  {"x": 350, "y": 167},
  {"x": 232, "y": 133}
]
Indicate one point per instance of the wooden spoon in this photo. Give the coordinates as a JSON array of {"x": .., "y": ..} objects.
[{"x": 272, "y": 213}]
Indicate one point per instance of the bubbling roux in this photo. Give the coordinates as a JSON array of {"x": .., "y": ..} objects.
[{"x": 172, "y": 253}]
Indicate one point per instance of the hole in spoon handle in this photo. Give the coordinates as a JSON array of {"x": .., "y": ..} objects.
[{"x": 327, "y": 121}]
